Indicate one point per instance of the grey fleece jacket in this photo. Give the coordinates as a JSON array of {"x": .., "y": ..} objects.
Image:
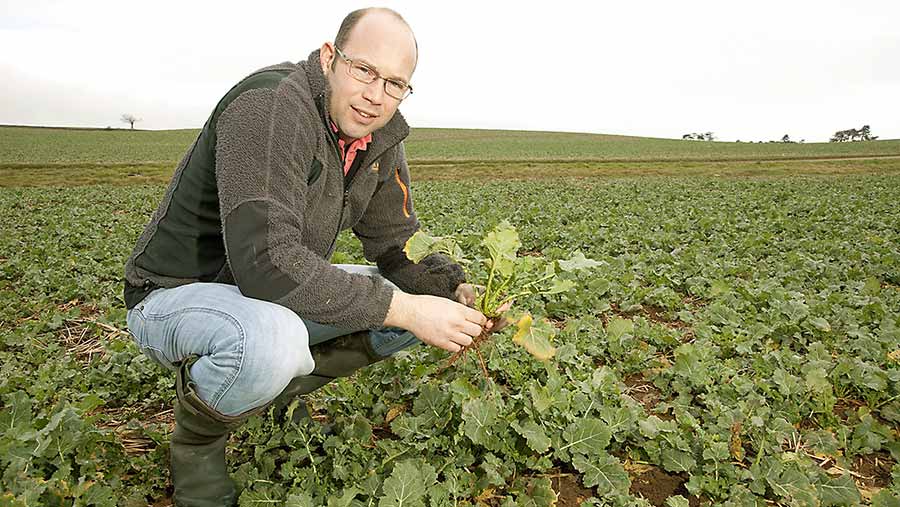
[{"x": 260, "y": 197}]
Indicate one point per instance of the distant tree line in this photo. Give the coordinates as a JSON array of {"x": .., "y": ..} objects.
[
  {"x": 694, "y": 136},
  {"x": 851, "y": 135},
  {"x": 862, "y": 134}
]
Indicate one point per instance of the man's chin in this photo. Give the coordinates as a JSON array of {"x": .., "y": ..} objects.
[{"x": 356, "y": 133}]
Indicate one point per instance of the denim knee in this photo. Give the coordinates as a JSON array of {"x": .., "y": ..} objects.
[{"x": 275, "y": 351}]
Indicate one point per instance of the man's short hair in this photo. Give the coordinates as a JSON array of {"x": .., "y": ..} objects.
[{"x": 353, "y": 18}]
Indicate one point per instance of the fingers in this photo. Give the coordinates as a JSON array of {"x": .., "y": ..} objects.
[
  {"x": 455, "y": 343},
  {"x": 471, "y": 330},
  {"x": 465, "y": 292},
  {"x": 466, "y": 299},
  {"x": 462, "y": 339},
  {"x": 475, "y": 316},
  {"x": 450, "y": 346}
]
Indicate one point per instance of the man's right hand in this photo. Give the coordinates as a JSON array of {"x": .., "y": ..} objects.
[{"x": 435, "y": 320}]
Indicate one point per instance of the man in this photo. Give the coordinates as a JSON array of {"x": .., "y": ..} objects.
[{"x": 229, "y": 284}]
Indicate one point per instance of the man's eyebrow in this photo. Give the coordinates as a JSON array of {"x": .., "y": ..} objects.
[{"x": 375, "y": 67}]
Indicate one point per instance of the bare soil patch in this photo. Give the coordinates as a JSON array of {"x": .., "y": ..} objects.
[
  {"x": 571, "y": 492},
  {"x": 656, "y": 485}
]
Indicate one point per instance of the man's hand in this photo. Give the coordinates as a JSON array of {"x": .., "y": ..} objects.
[
  {"x": 435, "y": 320},
  {"x": 466, "y": 294}
]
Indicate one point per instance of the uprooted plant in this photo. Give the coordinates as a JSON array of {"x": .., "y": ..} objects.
[{"x": 509, "y": 277}]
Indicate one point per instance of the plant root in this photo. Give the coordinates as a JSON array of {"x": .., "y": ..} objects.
[{"x": 474, "y": 346}]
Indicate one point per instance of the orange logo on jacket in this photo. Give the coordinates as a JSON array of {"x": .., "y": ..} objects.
[{"x": 405, "y": 192}]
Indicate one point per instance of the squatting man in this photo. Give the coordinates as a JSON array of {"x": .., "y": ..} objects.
[{"x": 230, "y": 284}]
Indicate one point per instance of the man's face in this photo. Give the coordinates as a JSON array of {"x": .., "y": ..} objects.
[{"x": 384, "y": 44}]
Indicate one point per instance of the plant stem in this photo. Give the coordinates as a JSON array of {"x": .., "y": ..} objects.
[
  {"x": 488, "y": 294},
  {"x": 539, "y": 280}
]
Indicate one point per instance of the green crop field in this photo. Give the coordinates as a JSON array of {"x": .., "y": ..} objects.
[
  {"x": 47, "y": 147},
  {"x": 739, "y": 343}
]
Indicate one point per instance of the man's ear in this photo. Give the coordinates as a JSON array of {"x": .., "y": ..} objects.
[{"x": 326, "y": 55}]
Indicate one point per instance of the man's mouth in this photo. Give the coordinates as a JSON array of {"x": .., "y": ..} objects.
[{"x": 365, "y": 114}]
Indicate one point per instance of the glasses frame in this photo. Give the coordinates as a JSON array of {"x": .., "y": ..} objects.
[{"x": 351, "y": 61}]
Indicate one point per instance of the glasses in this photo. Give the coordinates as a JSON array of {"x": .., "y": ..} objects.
[{"x": 366, "y": 74}]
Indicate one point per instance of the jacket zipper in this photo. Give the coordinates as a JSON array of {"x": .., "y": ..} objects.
[
  {"x": 346, "y": 199},
  {"x": 344, "y": 202},
  {"x": 340, "y": 221}
]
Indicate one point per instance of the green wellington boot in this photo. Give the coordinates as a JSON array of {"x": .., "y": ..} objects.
[
  {"x": 197, "y": 447},
  {"x": 339, "y": 357}
]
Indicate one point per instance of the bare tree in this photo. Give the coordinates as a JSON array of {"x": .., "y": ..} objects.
[{"x": 130, "y": 119}]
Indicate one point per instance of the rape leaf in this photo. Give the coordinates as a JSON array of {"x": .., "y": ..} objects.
[
  {"x": 539, "y": 494},
  {"x": 588, "y": 436},
  {"x": 407, "y": 484},
  {"x": 534, "y": 434},
  {"x": 820, "y": 324},
  {"x": 345, "y": 499},
  {"x": 421, "y": 245},
  {"x": 677, "y": 501},
  {"x": 577, "y": 262},
  {"x": 619, "y": 327},
  {"x": 16, "y": 415},
  {"x": 479, "y": 415},
  {"x": 603, "y": 472},
  {"x": 674, "y": 460},
  {"x": 535, "y": 337},
  {"x": 794, "y": 485},
  {"x": 839, "y": 491},
  {"x": 502, "y": 244},
  {"x": 301, "y": 500},
  {"x": 559, "y": 286}
]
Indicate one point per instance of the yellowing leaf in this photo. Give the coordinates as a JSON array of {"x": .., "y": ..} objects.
[
  {"x": 894, "y": 356},
  {"x": 535, "y": 337},
  {"x": 485, "y": 495},
  {"x": 393, "y": 412}
]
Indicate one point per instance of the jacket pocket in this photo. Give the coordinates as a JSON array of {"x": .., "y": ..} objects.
[{"x": 315, "y": 170}]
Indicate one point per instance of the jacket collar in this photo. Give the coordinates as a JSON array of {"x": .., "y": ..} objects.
[{"x": 386, "y": 137}]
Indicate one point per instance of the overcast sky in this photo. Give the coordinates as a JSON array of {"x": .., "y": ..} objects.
[{"x": 753, "y": 71}]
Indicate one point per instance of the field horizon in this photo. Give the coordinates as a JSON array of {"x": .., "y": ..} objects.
[
  {"x": 36, "y": 156},
  {"x": 197, "y": 129},
  {"x": 457, "y": 144}
]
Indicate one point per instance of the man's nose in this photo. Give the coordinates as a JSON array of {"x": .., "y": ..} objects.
[{"x": 374, "y": 91}]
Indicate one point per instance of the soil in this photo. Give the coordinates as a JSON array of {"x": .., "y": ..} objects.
[
  {"x": 558, "y": 323},
  {"x": 643, "y": 391},
  {"x": 571, "y": 492},
  {"x": 656, "y": 485},
  {"x": 659, "y": 315},
  {"x": 874, "y": 470},
  {"x": 845, "y": 407}
]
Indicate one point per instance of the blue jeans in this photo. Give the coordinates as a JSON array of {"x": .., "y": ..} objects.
[{"x": 249, "y": 349}]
